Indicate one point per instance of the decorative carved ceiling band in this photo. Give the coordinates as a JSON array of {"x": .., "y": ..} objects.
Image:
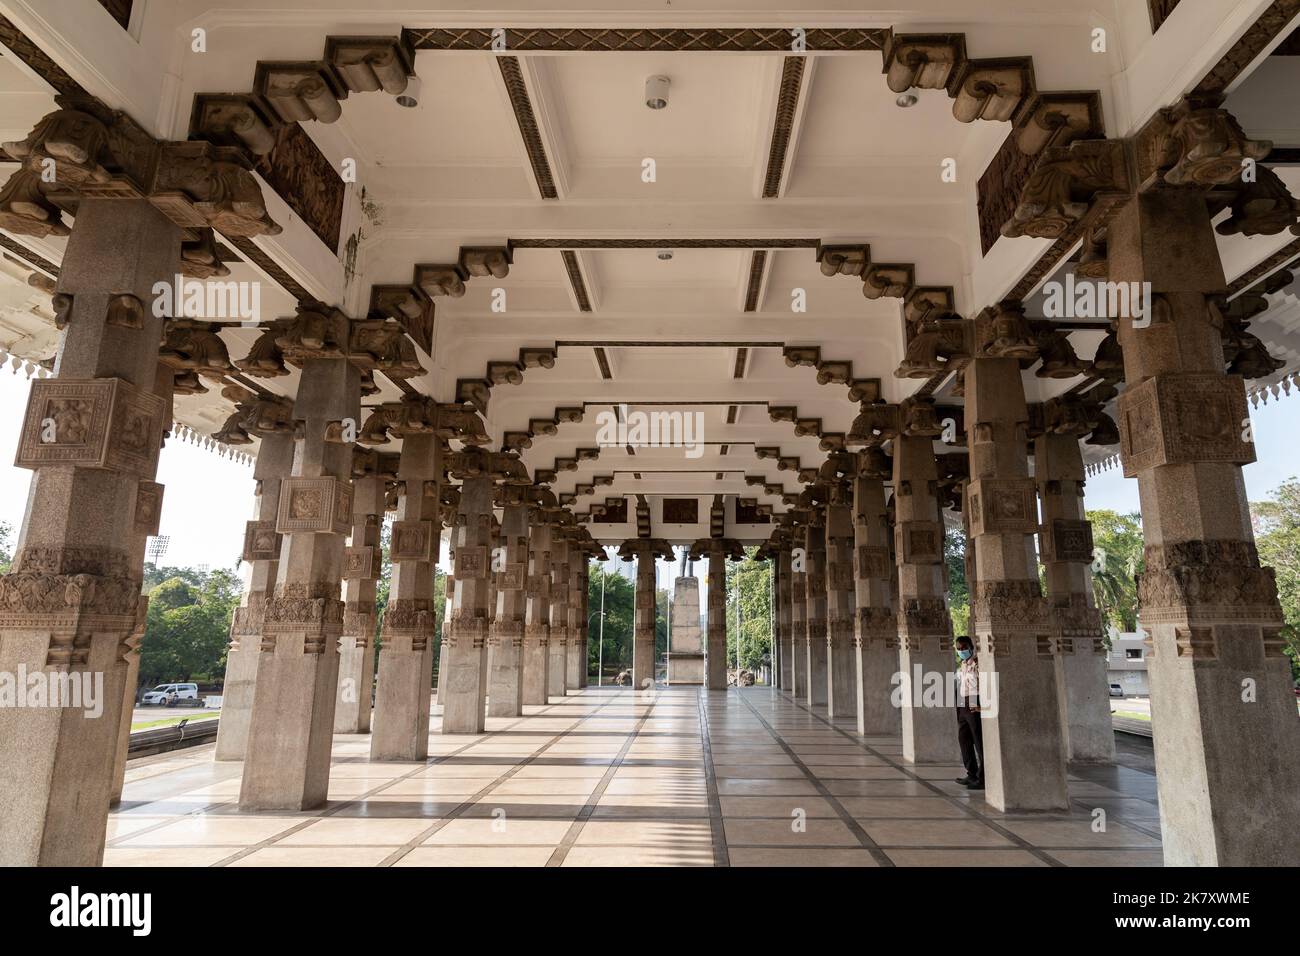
[
  {"x": 576, "y": 282},
  {"x": 787, "y": 100},
  {"x": 527, "y": 122},
  {"x": 36, "y": 59},
  {"x": 254, "y": 254},
  {"x": 1265, "y": 268},
  {"x": 119, "y": 10},
  {"x": 1160, "y": 10},
  {"x": 647, "y": 40},
  {"x": 757, "y": 265},
  {"x": 30, "y": 259},
  {"x": 738, "y": 369},
  {"x": 1250, "y": 45},
  {"x": 767, "y": 243}
]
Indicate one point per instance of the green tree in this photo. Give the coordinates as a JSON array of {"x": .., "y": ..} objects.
[
  {"x": 6, "y": 545},
  {"x": 1277, "y": 535},
  {"x": 954, "y": 557},
  {"x": 618, "y": 618},
  {"x": 188, "y": 626},
  {"x": 749, "y": 584},
  {"x": 1117, "y": 561}
]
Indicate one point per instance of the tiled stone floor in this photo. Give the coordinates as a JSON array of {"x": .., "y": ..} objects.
[{"x": 613, "y": 777}]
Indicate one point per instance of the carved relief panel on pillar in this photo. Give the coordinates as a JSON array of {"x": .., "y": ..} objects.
[{"x": 1179, "y": 417}]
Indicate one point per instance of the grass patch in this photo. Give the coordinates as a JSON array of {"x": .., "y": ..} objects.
[
  {"x": 1133, "y": 714},
  {"x": 172, "y": 721}
]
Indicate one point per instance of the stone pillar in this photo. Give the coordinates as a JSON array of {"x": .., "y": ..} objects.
[
  {"x": 291, "y": 729},
  {"x": 506, "y": 636},
  {"x": 462, "y": 673},
  {"x": 262, "y": 542},
  {"x": 146, "y": 525},
  {"x": 781, "y": 567},
  {"x": 70, "y": 602},
  {"x": 537, "y": 621},
  {"x": 686, "y": 662},
  {"x": 1073, "y": 618},
  {"x": 1227, "y": 736},
  {"x": 129, "y": 688},
  {"x": 576, "y": 658},
  {"x": 925, "y": 654},
  {"x": 841, "y": 676},
  {"x": 798, "y": 616},
  {"x": 362, "y": 566},
  {"x": 644, "y": 551},
  {"x": 715, "y": 648},
  {"x": 401, "y": 721},
  {"x": 584, "y": 615},
  {"x": 1024, "y": 753},
  {"x": 556, "y": 672},
  {"x": 815, "y": 609},
  {"x": 875, "y": 635}
]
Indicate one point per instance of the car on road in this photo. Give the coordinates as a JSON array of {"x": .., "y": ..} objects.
[
  {"x": 1116, "y": 690},
  {"x": 165, "y": 694}
]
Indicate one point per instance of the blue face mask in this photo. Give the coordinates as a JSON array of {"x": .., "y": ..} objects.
[{"x": 965, "y": 653}]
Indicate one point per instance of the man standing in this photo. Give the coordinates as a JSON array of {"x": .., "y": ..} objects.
[{"x": 970, "y": 736}]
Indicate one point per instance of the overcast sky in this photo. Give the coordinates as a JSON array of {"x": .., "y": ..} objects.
[{"x": 208, "y": 498}]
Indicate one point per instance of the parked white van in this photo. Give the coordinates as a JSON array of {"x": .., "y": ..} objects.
[{"x": 167, "y": 693}]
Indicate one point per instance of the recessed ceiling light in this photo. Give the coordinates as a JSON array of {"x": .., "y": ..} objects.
[
  {"x": 656, "y": 92},
  {"x": 906, "y": 99},
  {"x": 665, "y": 254}
]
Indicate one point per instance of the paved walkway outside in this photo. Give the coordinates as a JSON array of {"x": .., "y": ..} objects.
[{"x": 613, "y": 777}]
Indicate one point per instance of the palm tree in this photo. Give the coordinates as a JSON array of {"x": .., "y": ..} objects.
[{"x": 1115, "y": 587}]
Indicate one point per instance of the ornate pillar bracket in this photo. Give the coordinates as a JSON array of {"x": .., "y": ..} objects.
[{"x": 94, "y": 152}]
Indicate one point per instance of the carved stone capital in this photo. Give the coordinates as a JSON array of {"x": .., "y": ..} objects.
[{"x": 1194, "y": 144}]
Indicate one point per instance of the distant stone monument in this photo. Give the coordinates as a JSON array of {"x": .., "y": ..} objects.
[{"x": 685, "y": 647}]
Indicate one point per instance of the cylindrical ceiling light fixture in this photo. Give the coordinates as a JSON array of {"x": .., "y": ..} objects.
[
  {"x": 410, "y": 97},
  {"x": 656, "y": 92}
]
